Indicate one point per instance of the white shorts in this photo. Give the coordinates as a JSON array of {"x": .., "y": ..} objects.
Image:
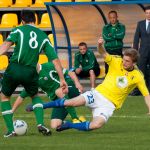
[{"x": 99, "y": 105}]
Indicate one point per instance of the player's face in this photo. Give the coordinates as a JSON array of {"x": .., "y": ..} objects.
[
  {"x": 127, "y": 63},
  {"x": 147, "y": 14},
  {"x": 113, "y": 18},
  {"x": 82, "y": 49}
]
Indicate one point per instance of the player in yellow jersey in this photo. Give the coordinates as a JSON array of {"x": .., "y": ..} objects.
[{"x": 122, "y": 77}]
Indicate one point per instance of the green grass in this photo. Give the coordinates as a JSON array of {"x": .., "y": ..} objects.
[{"x": 128, "y": 129}]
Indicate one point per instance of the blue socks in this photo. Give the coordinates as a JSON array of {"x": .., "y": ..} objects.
[
  {"x": 55, "y": 103},
  {"x": 83, "y": 126}
]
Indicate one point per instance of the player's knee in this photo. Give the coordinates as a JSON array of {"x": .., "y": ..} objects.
[
  {"x": 55, "y": 123},
  {"x": 91, "y": 72},
  {"x": 96, "y": 125}
]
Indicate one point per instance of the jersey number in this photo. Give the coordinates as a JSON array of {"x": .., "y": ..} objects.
[
  {"x": 33, "y": 42},
  {"x": 90, "y": 99}
]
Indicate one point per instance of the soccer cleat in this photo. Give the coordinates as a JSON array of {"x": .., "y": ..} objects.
[
  {"x": 10, "y": 134},
  {"x": 45, "y": 131},
  {"x": 76, "y": 121},
  {"x": 63, "y": 127},
  {"x": 82, "y": 119},
  {"x": 79, "y": 120},
  {"x": 29, "y": 108}
]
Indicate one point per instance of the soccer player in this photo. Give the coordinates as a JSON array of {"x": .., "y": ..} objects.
[
  {"x": 123, "y": 76},
  {"x": 113, "y": 34},
  {"x": 50, "y": 84},
  {"x": 29, "y": 41},
  {"x": 85, "y": 64}
]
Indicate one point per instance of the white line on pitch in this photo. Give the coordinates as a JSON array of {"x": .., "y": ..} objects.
[{"x": 86, "y": 116}]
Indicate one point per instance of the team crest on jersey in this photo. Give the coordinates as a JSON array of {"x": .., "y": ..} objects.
[
  {"x": 45, "y": 78},
  {"x": 122, "y": 82}
]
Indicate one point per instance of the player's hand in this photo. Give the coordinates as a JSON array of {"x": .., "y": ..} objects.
[
  {"x": 64, "y": 86},
  {"x": 79, "y": 87},
  {"x": 78, "y": 70},
  {"x": 100, "y": 41}
]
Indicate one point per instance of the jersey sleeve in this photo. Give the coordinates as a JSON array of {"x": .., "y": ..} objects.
[
  {"x": 106, "y": 34},
  {"x": 49, "y": 51},
  {"x": 112, "y": 60},
  {"x": 13, "y": 36},
  {"x": 24, "y": 94},
  {"x": 142, "y": 86},
  {"x": 108, "y": 58}
]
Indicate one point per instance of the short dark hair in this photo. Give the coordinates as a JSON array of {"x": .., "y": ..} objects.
[
  {"x": 147, "y": 8},
  {"x": 112, "y": 12},
  {"x": 132, "y": 53},
  {"x": 28, "y": 16},
  {"x": 82, "y": 44}
]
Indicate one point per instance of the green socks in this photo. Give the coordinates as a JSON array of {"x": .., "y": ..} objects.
[
  {"x": 72, "y": 112},
  {"x": 7, "y": 115},
  {"x": 38, "y": 110}
]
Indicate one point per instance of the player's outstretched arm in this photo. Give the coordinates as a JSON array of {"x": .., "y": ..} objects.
[
  {"x": 76, "y": 81},
  {"x": 58, "y": 68},
  {"x": 101, "y": 50},
  {"x": 5, "y": 47},
  {"x": 147, "y": 101}
]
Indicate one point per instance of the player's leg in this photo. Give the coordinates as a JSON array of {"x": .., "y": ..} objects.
[
  {"x": 101, "y": 108},
  {"x": 7, "y": 115},
  {"x": 71, "y": 93},
  {"x": 38, "y": 109},
  {"x": 31, "y": 86},
  {"x": 39, "y": 115},
  {"x": 78, "y": 101},
  {"x": 62, "y": 102},
  {"x": 9, "y": 84},
  {"x": 92, "y": 78},
  {"x": 57, "y": 117},
  {"x": 97, "y": 122}
]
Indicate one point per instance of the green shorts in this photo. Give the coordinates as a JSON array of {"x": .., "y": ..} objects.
[
  {"x": 59, "y": 113},
  {"x": 17, "y": 74},
  {"x": 73, "y": 91}
]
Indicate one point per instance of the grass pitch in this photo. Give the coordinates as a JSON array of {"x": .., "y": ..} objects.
[{"x": 128, "y": 129}]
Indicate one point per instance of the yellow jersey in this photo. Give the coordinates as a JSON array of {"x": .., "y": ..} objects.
[{"x": 119, "y": 82}]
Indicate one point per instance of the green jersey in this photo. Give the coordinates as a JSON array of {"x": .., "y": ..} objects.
[
  {"x": 49, "y": 80},
  {"x": 30, "y": 41},
  {"x": 87, "y": 61},
  {"x": 113, "y": 36}
]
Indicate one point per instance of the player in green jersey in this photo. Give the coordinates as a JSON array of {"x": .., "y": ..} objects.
[
  {"x": 29, "y": 41},
  {"x": 49, "y": 83}
]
